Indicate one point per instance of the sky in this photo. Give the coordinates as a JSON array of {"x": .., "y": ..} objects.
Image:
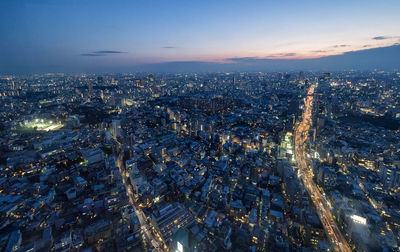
[{"x": 90, "y": 35}]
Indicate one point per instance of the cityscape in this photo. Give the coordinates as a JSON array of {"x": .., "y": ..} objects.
[{"x": 193, "y": 150}]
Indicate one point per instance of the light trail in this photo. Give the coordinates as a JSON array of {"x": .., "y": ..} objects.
[{"x": 337, "y": 240}]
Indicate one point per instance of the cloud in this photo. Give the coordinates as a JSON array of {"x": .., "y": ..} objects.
[
  {"x": 242, "y": 59},
  {"x": 266, "y": 57},
  {"x": 321, "y": 51},
  {"x": 108, "y": 52},
  {"x": 169, "y": 47},
  {"x": 101, "y": 53},
  {"x": 381, "y": 38},
  {"x": 280, "y": 55},
  {"x": 260, "y": 59},
  {"x": 336, "y": 46},
  {"x": 289, "y": 54},
  {"x": 91, "y": 54}
]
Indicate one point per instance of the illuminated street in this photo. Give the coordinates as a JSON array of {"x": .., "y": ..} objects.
[
  {"x": 150, "y": 233},
  {"x": 336, "y": 238}
]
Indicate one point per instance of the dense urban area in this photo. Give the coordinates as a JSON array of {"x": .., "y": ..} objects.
[{"x": 294, "y": 161}]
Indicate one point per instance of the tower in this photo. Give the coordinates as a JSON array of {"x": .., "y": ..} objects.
[
  {"x": 301, "y": 78},
  {"x": 90, "y": 88},
  {"x": 116, "y": 128}
]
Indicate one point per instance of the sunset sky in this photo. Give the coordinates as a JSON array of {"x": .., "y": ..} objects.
[{"x": 78, "y": 33}]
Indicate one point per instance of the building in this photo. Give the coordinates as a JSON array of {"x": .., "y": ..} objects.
[
  {"x": 92, "y": 156},
  {"x": 116, "y": 128},
  {"x": 390, "y": 177},
  {"x": 14, "y": 241},
  {"x": 170, "y": 217}
]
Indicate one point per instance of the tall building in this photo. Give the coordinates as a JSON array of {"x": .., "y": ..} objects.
[
  {"x": 14, "y": 241},
  {"x": 301, "y": 76},
  {"x": 90, "y": 88},
  {"x": 116, "y": 128},
  {"x": 287, "y": 78},
  {"x": 390, "y": 177}
]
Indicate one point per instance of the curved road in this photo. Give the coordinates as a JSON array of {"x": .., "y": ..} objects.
[{"x": 337, "y": 240}]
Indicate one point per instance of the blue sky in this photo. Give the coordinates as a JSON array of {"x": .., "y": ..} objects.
[{"x": 55, "y": 34}]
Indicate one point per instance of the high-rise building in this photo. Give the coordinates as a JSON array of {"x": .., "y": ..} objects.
[
  {"x": 116, "y": 128},
  {"x": 390, "y": 177},
  {"x": 301, "y": 76},
  {"x": 90, "y": 88}
]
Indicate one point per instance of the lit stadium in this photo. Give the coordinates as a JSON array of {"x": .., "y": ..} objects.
[{"x": 42, "y": 125}]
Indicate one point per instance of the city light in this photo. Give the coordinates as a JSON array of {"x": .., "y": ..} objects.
[
  {"x": 359, "y": 219},
  {"x": 42, "y": 125},
  {"x": 144, "y": 161},
  {"x": 179, "y": 247}
]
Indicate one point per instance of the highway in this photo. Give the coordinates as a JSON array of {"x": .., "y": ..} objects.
[{"x": 337, "y": 240}]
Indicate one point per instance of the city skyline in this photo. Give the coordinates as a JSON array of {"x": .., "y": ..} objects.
[
  {"x": 82, "y": 36},
  {"x": 249, "y": 161}
]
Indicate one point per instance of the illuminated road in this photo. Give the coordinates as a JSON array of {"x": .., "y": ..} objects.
[
  {"x": 151, "y": 235},
  {"x": 338, "y": 242}
]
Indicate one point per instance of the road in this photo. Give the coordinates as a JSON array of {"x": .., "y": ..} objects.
[
  {"x": 337, "y": 240},
  {"x": 151, "y": 235}
]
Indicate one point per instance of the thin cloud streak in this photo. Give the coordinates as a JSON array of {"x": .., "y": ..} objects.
[
  {"x": 336, "y": 46},
  {"x": 381, "y": 38},
  {"x": 321, "y": 51},
  {"x": 101, "y": 53},
  {"x": 108, "y": 52},
  {"x": 91, "y": 54}
]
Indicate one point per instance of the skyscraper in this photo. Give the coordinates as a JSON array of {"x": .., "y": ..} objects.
[
  {"x": 116, "y": 128},
  {"x": 301, "y": 78},
  {"x": 90, "y": 88}
]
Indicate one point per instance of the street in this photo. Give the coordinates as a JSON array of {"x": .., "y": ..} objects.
[
  {"x": 151, "y": 235},
  {"x": 337, "y": 240}
]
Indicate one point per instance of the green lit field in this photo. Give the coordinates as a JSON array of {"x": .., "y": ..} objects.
[{"x": 42, "y": 125}]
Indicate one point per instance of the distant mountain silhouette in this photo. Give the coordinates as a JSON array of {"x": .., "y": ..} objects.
[{"x": 383, "y": 58}]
